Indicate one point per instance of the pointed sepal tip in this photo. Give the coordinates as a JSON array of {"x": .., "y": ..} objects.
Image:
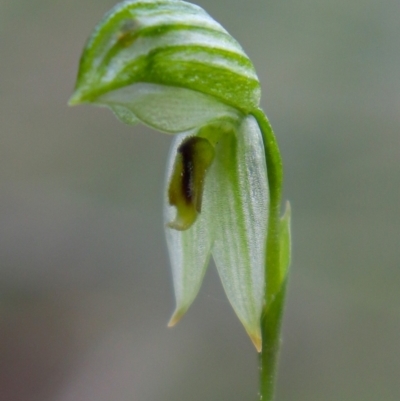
[
  {"x": 176, "y": 317},
  {"x": 256, "y": 339}
]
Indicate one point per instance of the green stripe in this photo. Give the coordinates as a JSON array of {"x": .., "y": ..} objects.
[
  {"x": 105, "y": 30},
  {"x": 222, "y": 59},
  {"x": 233, "y": 89},
  {"x": 162, "y": 34},
  {"x": 137, "y": 11},
  {"x": 170, "y": 37},
  {"x": 167, "y": 42}
]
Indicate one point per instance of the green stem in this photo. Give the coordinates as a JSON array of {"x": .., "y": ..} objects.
[
  {"x": 275, "y": 285},
  {"x": 271, "y": 340}
]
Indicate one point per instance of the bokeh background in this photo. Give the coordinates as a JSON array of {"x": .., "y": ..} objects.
[{"x": 85, "y": 288}]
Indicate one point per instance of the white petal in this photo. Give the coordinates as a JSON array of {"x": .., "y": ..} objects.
[
  {"x": 189, "y": 250},
  {"x": 167, "y": 108},
  {"x": 240, "y": 216}
]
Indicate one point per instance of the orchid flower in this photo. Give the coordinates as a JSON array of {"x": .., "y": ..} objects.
[{"x": 169, "y": 65}]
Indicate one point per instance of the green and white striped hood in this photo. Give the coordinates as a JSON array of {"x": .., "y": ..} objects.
[{"x": 166, "y": 42}]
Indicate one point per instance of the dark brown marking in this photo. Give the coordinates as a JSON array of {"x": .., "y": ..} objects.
[{"x": 186, "y": 149}]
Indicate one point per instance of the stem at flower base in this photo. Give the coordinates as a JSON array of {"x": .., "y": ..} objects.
[
  {"x": 271, "y": 327},
  {"x": 275, "y": 272}
]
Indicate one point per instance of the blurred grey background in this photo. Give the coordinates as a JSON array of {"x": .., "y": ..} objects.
[{"x": 85, "y": 288}]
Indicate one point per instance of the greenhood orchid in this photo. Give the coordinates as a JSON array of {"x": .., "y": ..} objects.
[{"x": 169, "y": 65}]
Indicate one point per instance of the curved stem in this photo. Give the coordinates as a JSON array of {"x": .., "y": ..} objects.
[
  {"x": 275, "y": 285},
  {"x": 275, "y": 177}
]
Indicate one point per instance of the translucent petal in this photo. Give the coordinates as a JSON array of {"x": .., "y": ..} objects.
[
  {"x": 240, "y": 215},
  {"x": 124, "y": 114},
  {"x": 189, "y": 250},
  {"x": 167, "y": 108}
]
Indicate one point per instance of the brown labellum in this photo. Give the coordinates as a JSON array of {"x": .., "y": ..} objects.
[{"x": 194, "y": 157}]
